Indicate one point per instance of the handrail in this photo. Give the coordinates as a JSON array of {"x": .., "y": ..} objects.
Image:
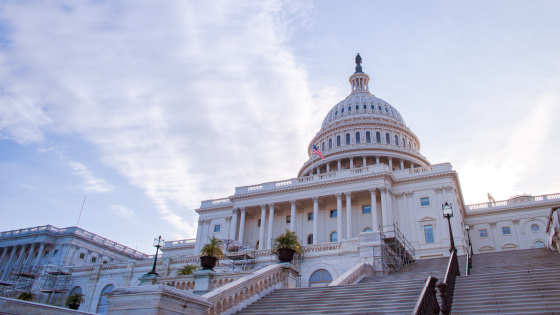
[
  {"x": 354, "y": 275},
  {"x": 450, "y": 276},
  {"x": 427, "y": 303}
]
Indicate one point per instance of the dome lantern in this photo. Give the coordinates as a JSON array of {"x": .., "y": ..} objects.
[{"x": 359, "y": 81}]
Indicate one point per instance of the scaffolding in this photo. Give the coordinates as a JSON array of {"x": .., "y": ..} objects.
[
  {"x": 23, "y": 277},
  {"x": 239, "y": 257},
  {"x": 396, "y": 250},
  {"x": 55, "y": 283}
]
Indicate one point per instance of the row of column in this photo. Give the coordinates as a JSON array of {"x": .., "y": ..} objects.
[
  {"x": 15, "y": 256},
  {"x": 364, "y": 159},
  {"x": 386, "y": 215}
]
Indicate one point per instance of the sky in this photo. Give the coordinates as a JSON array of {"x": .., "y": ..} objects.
[{"x": 149, "y": 107}]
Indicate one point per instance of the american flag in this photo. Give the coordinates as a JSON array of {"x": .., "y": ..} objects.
[{"x": 316, "y": 151}]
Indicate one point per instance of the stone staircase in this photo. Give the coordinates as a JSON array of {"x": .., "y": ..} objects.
[{"x": 516, "y": 282}]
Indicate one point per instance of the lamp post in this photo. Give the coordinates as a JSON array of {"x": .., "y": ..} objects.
[
  {"x": 158, "y": 242},
  {"x": 448, "y": 214},
  {"x": 467, "y": 227}
]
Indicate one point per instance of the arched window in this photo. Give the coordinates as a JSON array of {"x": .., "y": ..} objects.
[
  {"x": 379, "y": 108},
  {"x": 378, "y": 137},
  {"x": 323, "y": 147},
  {"x": 103, "y": 304},
  {"x": 368, "y": 137},
  {"x": 386, "y": 110},
  {"x": 342, "y": 110},
  {"x": 357, "y": 107},
  {"x": 372, "y": 107},
  {"x": 338, "y": 141},
  {"x": 75, "y": 290},
  {"x": 320, "y": 278},
  {"x": 403, "y": 142},
  {"x": 336, "y": 113},
  {"x": 334, "y": 237},
  {"x": 349, "y": 108},
  {"x": 387, "y": 138},
  {"x": 309, "y": 239},
  {"x": 357, "y": 137},
  {"x": 367, "y": 230},
  {"x": 347, "y": 139},
  {"x": 330, "y": 143},
  {"x": 539, "y": 244},
  {"x": 396, "y": 140},
  {"x": 365, "y": 106}
]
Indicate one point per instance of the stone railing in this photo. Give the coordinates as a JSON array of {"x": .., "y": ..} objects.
[
  {"x": 236, "y": 295},
  {"x": 187, "y": 282},
  {"x": 420, "y": 170},
  {"x": 354, "y": 275},
  {"x": 322, "y": 247},
  {"x": 516, "y": 200}
]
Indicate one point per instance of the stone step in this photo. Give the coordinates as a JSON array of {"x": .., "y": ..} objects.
[{"x": 361, "y": 299}]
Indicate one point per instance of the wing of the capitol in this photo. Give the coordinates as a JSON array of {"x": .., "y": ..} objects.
[{"x": 373, "y": 209}]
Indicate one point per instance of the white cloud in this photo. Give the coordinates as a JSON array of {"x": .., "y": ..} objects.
[
  {"x": 180, "y": 114},
  {"x": 122, "y": 211},
  {"x": 91, "y": 183},
  {"x": 27, "y": 186}
]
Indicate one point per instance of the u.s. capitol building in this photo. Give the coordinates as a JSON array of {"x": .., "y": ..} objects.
[{"x": 373, "y": 181}]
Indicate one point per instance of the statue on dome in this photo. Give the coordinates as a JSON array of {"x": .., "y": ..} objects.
[{"x": 358, "y": 59}]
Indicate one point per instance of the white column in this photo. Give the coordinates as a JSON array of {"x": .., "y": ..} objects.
[
  {"x": 339, "y": 165},
  {"x": 375, "y": 224},
  {"x": 270, "y": 225},
  {"x": 39, "y": 254},
  {"x": 328, "y": 167},
  {"x": 390, "y": 208},
  {"x": 443, "y": 229},
  {"x": 384, "y": 215},
  {"x": 3, "y": 258},
  {"x": 233, "y": 230},
  {"x": 364, "y": 160},
  {"x": 377, "y": 160},
  {"x": 263, "y": 223},
  {"x": 206, "y": 234},
  {"x": 402, "y": 164},
  {"x": 351, "y": 162},
  {"x": 30, "y": 256},
  {"x": 293, "y": 215},
  {"x": 349, "y": 213},
  {"x": 6, "y": 271},
  {"x": 315, "y": 220},
  {"x": 242, "y": 225},
  {"x": 412, "y": 219},
  {"x": 199, "y": 240},
  {"x": 21, "y": 256},
  {"x": 339, "y": 216},
  {"x": 390, "y": 164}
]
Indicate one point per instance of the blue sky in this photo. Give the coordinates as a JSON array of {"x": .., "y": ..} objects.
[{"x": 148, "y": 107}]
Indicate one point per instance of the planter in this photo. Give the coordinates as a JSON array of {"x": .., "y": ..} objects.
[
  {"x": 73, "y": 306},
  {"x": 208, "y": 262},
  {"x": 285, "y": 254}
]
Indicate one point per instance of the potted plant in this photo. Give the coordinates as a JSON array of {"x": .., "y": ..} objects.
[
  {"x": 287, "y": 244},
  {"x": 187, "y": 269},
  {"x": 73, "y": 301},
  {"x": 26, "y": 296},
  {"x": 210, "y": 253}
]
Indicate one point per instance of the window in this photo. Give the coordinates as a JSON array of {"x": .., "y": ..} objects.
[
  {"x": 289, "y": 219},
  {"x": 368, "y": 137},
  {"x": 334, "y": 213},
  {"x": 386, "y": 110},
  {"x": 310, "y": 216},
  {"x": 330, "y": 143},
  {"x": 378, "y": 137},
  {"x": 334, "y": 237},
  {"x": 425, "y": 201},
  {"x": 349, "y": 108},
  {"x": 104, "y": 262},
  {"x": 483, "y": 233},
  {"x": 403, "y": 142},
  {"x": 506, "y": 230},
  {"x": 55, "y": 252},
  {"x": 82, "y": 256},
  {"x": 342, "y": 110},
  {"x": 367, "y": 230},
  {"x": 539, "y": 244},
  {"x": 396, "y": 140},
  {"x": 103, "y": 304},
  {"x": 217, "y": 228},
  {"x": 357, "y": 107},
  {"x": 93, "y": 260},
  {"x": 323, "y": 147},
  {"x": 336, "y": 113},
  {"x": 320, "y": 278},
  {"x": 365, "y": 106},
  {"x": 310, "y": 239},
  {"x": 372, "y": 107},
  {"x": 76, "y": 290},
  {"x": 46, "y": 253},
  {"x": 387, "y": 138},
  {"x": 366, "y": 209},
  {"x": 535, "y": 228},
  {"x": 338, "y": 141},
  {"x": 429, "y": 233},
  {"x": 347, "y": 139},
  {"x": 357, "y": 137},
  {"x": 259, "y": 223}
]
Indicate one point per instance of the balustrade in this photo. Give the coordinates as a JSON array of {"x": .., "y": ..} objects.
[
  {"x": 354, "y": 275},
  {"x": 427, "y": 303},
  {"x": 513, "y": 201}
]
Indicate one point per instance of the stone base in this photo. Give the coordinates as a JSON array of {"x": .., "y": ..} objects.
[
  {"x": 148, "y": 279},
  {"x": 203, "y": 281},
  {"x": 155, "y": 300}
]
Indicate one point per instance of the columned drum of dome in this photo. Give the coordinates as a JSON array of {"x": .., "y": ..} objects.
[{"x": 361, "y": 113}]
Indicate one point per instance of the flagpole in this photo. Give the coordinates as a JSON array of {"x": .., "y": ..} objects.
[{"x": 312, "y": 159}]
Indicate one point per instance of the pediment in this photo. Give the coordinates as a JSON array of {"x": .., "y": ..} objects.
[{"x": 427, "y": 219}]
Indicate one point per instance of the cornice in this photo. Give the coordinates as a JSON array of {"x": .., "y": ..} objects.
[
  {"x": 513, "y": 208},
  {"x": 365, "y": 123},
  {"x": 216, "y": 208},
  {"x": 178, "y": 247}
]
